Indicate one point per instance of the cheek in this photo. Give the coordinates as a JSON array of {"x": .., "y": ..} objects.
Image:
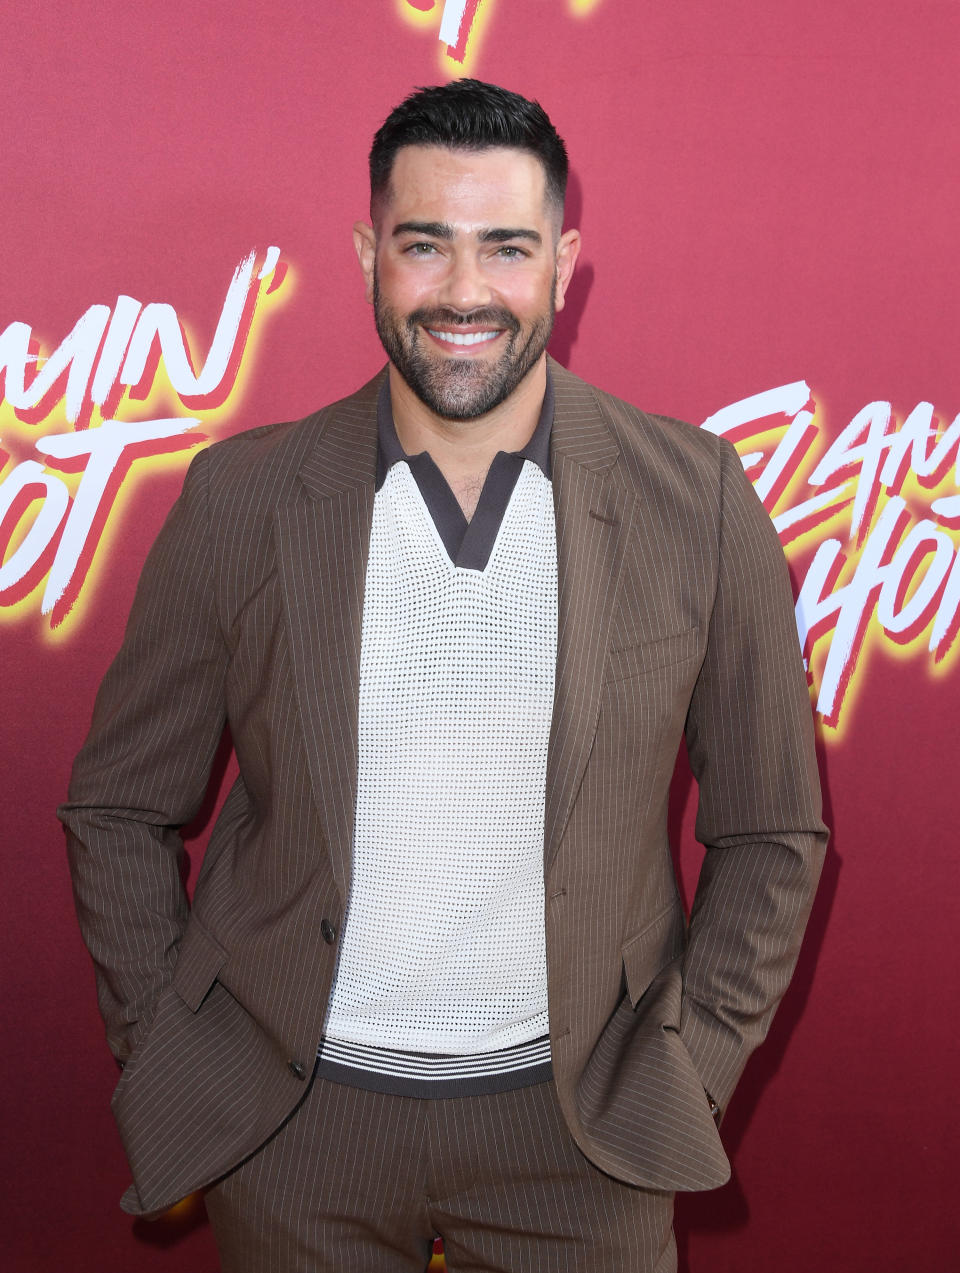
[
  {"x": 529, "y": 297},
  {"x": 403, "y": 286}
]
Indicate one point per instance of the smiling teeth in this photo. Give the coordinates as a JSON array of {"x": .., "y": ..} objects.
[{"x": 464, "y": 338}]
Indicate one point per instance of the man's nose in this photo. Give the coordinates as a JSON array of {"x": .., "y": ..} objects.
[{"x": 465, "y": 285}]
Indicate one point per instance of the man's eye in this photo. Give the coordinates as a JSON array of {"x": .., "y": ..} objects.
[
  {"x": 421, "y": 249},
  {"x": 511, "y": 252}
]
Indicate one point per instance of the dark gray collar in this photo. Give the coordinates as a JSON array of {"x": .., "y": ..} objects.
[
  {"x": 468, "y": 544},
  {"x": 390, "y": 451}
]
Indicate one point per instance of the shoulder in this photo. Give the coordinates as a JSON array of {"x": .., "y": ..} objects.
[
  {"x": 691, "y": 475},
  {"x": 263, "y": 454},
  {"x": 257, "y": 466},
  {"x": 650, "y": 447}
]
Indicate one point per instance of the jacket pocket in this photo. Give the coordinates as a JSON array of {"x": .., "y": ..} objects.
[
  {"x": 647, "y": 952},
  {"x": 200, "y": 959},
  {"x": 647, "y": 656}
]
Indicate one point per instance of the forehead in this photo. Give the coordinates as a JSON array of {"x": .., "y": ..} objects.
[{"x": 466, "y": 187}]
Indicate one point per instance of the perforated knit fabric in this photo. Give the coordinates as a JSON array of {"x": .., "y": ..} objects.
[{"x": 443, "y": 947}]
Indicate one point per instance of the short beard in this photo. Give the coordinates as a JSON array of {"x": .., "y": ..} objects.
[{"x": 465, "y": 388}]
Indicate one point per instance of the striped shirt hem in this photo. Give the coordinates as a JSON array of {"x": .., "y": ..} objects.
[{"x": 434, "y": 1076}]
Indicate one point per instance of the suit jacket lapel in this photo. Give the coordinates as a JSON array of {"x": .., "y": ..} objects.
[
  {"x": 594, "y": 515},
  {"x": 323, "y": 536}
]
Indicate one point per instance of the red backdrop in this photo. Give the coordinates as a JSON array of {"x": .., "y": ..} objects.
[{"x": 766, "y": 195}]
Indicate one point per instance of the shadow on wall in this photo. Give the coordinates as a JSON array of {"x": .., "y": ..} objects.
[
  {"x": 727, "y": 1210},
  {"x": 568, "y": 320}
]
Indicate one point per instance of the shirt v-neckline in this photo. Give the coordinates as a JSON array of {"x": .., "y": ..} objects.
[{"x": 468, "y": 543}]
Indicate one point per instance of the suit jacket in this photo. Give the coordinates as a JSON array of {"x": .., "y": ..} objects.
[{"x": 675, "y": 617}]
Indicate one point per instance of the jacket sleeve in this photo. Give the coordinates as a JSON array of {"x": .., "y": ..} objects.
[
  {"x": 750, "y": 741},
  {"x": 143, "y": 770}
]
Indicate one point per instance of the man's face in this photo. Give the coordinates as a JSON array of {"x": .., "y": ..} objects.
[{"x": 465, "y": 270}]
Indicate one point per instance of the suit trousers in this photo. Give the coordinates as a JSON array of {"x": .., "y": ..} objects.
[{"x": 360, "y": 1180}]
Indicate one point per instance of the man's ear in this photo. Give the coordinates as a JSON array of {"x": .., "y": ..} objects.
[
  {"x": 568, "y": 249},
  {"x": 365, "y": 242}
]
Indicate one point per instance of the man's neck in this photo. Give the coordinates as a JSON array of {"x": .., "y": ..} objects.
[{"x": 463, "y": 450}]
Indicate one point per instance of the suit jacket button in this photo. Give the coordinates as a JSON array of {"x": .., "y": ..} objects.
[
  {"x": 297, "y": 1069},
  {"x": 328, "y": 932}
]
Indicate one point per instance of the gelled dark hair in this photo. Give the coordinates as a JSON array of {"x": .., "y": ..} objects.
[{"x": 469, "y": 115}]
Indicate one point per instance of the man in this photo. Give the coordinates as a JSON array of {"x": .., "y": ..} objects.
[{"x": 436, "y": 978}]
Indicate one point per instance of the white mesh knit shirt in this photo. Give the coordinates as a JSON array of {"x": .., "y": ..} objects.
[{"x": 443, "y": 945}]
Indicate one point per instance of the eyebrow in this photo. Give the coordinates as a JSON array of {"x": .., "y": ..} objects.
[
  {"x": 443, "y": 230},
  {"x": 504, "y": 235}
]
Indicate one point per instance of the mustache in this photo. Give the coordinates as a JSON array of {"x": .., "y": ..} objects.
[{"x": 490, "y": 315}]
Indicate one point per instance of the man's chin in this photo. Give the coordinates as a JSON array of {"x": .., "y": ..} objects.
[
  {"x": 460, "y": 393},
  {"x": 459, "y": 411}
]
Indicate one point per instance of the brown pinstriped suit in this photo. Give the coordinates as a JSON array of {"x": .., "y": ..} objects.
[{"x": 675, "y": 615}]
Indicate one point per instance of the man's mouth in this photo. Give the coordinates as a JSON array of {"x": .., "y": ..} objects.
[{"x": 463, "y": 338}]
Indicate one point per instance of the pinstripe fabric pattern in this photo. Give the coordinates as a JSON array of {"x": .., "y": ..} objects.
[
  {"x": 674, "y": 616},
  {"x": 497, "y": 1177}
]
